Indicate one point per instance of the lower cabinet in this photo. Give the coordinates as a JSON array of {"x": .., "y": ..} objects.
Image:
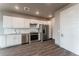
[
  {"x": 9, "y": 40},
  {"x": 13, "y": 40},
  {"x": 3, "y": 42}
]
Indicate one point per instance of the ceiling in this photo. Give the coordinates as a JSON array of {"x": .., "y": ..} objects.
[{"x": 44, "y": 10}]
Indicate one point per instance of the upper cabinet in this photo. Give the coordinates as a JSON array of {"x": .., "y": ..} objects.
[
  {"x": 27, "y": 23},
  {"x": 18, "y": 22},
  {"x": 34, "y": 23},
  {"x": 15, "y": 22},
  {"x": 7, "y": 22}
]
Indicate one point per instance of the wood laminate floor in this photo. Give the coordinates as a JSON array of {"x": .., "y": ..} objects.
[{"x": 46, "y": 48}]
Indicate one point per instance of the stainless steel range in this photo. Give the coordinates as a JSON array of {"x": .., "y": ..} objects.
[{"x": 34, "y": 36}]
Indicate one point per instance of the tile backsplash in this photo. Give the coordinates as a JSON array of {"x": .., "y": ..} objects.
[{"x": 20, "y": 31}]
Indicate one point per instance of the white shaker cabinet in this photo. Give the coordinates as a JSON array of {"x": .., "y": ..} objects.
[
  {"x": 13, "y": 40},
  {"x": 15, "y": 22},
  {"x": 7, "y": 22},
  {"x": 27, "y": 23},
  {"x": 10, "y": 40},
  {"x": 18, "y": 22},
  {"x": 21, "y": 23},
  {"x": 17, "y": 40},
  {"x": 3, "y": 41}
]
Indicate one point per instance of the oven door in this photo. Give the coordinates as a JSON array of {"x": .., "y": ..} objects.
[{"x": 34, "y": 36}]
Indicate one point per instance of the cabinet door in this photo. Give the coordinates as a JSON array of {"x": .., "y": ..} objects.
[
  {"x": 13, "y": 40},
  {"x": 18, "y": 22},
  {"x": 2, "y": 41},
  {"x": 26, "y": 23},
  {"x": 7, "y": 22},
  {"x": 10, "y": 40},
  {"x": 17, "y": 39}
]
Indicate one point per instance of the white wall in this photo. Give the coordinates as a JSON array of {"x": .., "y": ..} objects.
[
  {"x": 51, "y": 26},
  {"x": 67, "y": 23},
  {"x": 50, "y": 29}
]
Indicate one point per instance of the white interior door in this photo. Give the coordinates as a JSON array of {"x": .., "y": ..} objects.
[
  {"x": 66, "y": 35},
  {"x": 69, "y": 26}
]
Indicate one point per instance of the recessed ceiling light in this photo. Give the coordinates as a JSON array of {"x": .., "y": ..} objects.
[
  {"x": 37, "y": 12},
  {"x": 50, "y": 15},
  {"x": 26, "y": 9},
  {"x": 16, "y": 7}
]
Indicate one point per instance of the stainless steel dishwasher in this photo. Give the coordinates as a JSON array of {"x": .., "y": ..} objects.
[{"x": 25, "y": 38}]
